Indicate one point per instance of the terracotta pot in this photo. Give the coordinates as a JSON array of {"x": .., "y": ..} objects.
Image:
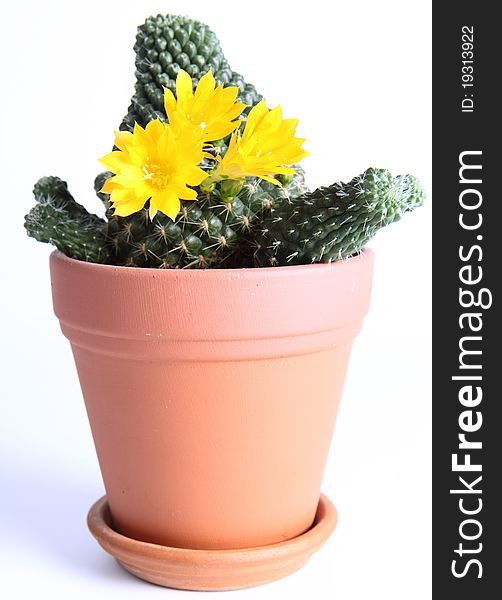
[{"x": 212, "y": 394}]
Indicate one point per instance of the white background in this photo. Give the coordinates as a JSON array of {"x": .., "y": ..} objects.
[{"x": 357, "y": 74}]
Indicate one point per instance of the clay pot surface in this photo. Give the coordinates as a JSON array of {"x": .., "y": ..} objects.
[{"x": 212, "y": 394}]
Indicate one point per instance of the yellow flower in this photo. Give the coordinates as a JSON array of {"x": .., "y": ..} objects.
[
  {"x": 153, "y": 164},
  {"x": 264, "y": 148},
  {"x": 211, "y": 111}
]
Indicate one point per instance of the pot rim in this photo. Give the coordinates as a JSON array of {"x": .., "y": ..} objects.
[
  {"x": 364, "y": 254},
  {"x": 221, "y": 314}
]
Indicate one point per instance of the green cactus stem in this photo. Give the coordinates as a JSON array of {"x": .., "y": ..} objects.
[
  {"x": 334, "y": 222},
  {"x": 165, "y": 44},
  {"x": 59, "y": 220}
]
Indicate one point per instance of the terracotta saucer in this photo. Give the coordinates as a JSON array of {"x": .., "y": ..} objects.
[{"x": 210, "y": 570}]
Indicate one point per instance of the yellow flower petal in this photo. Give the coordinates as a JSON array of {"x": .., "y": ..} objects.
[
  {"x": 166, "y": 144},
  {"x": 166, "y": 202},
  {"x": 129, "y": 176},
  {"x": 229, "y": 93},
  {"x": 206, "y": 85},
  {"x": 255, "y": 116},
  {"x": 154, "y": 129},
  {"x": 193, "y": 175},
  {"x": 236, "y": 110},
  {"x": 169, "y": 102},
  {"x": 108, "y": 186},
  {"x": 115, "y": 161},
  {"x": 289, "y": 126},
  {"x": 182, "y": 191},
  {"x": 184, "y": 86},
  {"x": 122, "y": 138},
  {"x": 271, "y": 179},
  {"x": 126, "y": 202}
]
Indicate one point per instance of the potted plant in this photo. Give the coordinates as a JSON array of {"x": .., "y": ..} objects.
[{"x": 211, "y": 316}]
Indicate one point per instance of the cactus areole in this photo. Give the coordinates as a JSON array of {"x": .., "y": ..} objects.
[{"x": 211, "y": 391}]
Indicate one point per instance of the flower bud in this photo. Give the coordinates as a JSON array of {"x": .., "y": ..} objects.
[{"x": 229, "y": 188}]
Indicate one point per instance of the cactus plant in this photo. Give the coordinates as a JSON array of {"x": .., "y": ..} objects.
[
  {"x": 205, "y": 233},
  {"x": 178, "y": 196}
]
